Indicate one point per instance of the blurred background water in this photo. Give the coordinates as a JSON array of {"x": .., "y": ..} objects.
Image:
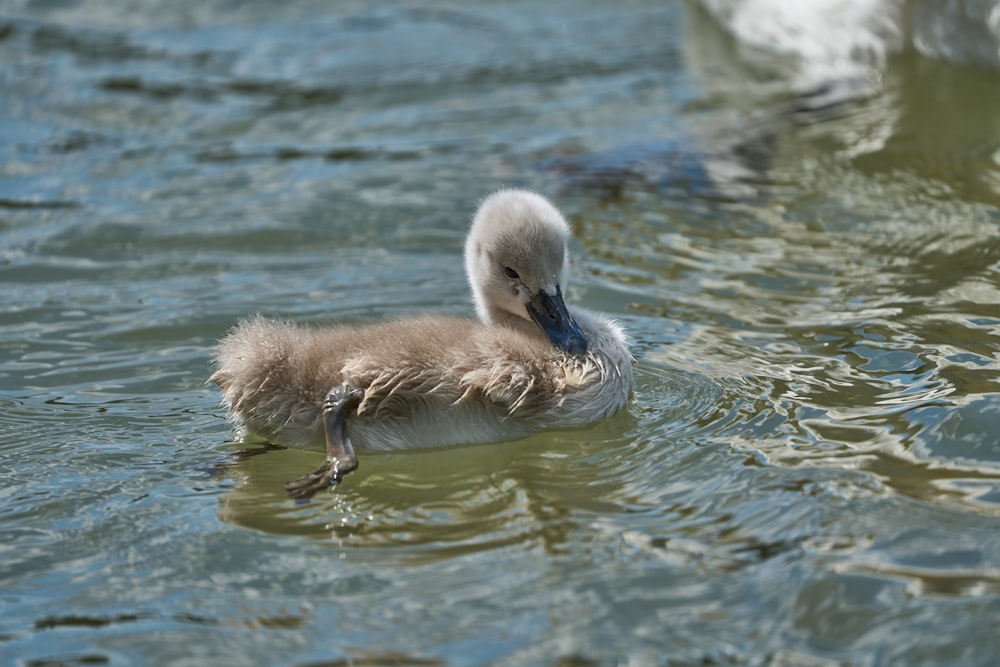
[{"x": 804, "y": 243}]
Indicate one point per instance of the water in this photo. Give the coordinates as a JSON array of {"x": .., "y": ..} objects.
[{"x": 809, "y": 472}]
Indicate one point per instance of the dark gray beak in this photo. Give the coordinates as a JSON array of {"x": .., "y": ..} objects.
[{"x": 549, "y": 312}]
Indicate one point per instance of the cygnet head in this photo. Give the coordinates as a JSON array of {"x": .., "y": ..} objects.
[{"x": 515, "y": 258}]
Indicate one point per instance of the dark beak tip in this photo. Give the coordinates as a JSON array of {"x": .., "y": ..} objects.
[
  {"x": 570, "y": 339},
  {"x": 550, "y": 313}
]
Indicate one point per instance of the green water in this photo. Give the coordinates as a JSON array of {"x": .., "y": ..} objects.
[{"x": 809, "y": 471}]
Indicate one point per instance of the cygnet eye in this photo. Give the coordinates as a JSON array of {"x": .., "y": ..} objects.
[{"x": 511, "y": 273}]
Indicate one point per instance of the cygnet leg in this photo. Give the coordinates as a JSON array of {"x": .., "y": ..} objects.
[{"x": 340, "y": 456}]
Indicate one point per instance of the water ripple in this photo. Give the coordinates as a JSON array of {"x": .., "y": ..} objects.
[{"x": 809, "y": 468}]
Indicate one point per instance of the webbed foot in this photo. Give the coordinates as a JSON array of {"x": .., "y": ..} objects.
[
  {"x": 340, "y": 456},
  {"x": 328, "y": 474}
]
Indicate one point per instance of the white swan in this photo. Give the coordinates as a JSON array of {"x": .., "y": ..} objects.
[{"x": 531, "y": 362}]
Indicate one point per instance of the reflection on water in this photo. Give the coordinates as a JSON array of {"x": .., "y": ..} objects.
[
  {"x": 809, "y": 471},
  {"x": 451, "y": 495}
]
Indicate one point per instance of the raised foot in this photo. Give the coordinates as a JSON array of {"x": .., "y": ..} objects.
[
  {"x": 328, "y": 474},
  {"x": 340, "y": 456}
]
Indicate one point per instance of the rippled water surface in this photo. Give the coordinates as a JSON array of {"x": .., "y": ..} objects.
[{"x": 809, "y": 471}]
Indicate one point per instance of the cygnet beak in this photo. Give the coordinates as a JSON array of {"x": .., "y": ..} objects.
[{"x": 549, "y": 312}]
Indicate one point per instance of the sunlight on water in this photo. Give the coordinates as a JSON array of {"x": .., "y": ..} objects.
[{"x": 808, "y": 472}]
